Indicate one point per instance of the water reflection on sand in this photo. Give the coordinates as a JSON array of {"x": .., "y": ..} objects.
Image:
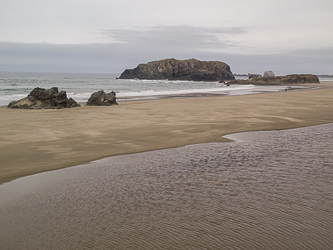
[{"x": 267, "y": 190}]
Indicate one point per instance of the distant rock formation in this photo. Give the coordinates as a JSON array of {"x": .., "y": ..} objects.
[
  {"x": 279, "y": 80},
  {"x": 269, "y": 73},
  {"x": 40, "y": 98},
  {"x": 100, "y": 98},
  {"x": 254, "y": 76},
  {"x": 172, "y": 69}
]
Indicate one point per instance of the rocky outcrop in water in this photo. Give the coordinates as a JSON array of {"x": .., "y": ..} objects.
[
  {"x": 172, "y": 69},
  {"x": 254, "y": 76},
  {"x": 279, "y": 80},
  {"x": 40, "y": 98},
  {"x": 100, "y": 98},
  {"x": 269, "y": 73}
]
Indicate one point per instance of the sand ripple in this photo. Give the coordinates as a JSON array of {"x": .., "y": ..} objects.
[{"x": 269, "y": 190}]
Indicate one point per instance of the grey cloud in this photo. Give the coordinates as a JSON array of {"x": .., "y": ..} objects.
[
  {"x": 115, "y": 57},
  {"x": 169, "y": 37},
  {"x": 312, "y": 61},
  {"x": 63, "y": 58}
]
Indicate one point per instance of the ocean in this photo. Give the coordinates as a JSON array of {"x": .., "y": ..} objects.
[
  {"x": 17, "y": 85},
  {"x": 264, "y": 190}
]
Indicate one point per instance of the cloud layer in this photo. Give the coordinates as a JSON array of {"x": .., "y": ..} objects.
[
  {"x": 115, "y": 57},
  {"x": 109, "y": 36},
  {"x": 169, "y": 37}
]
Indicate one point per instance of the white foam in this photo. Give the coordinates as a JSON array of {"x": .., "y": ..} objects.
[
  {"x": 183, "y": 91},
  {"x": 6, "y": 99}
]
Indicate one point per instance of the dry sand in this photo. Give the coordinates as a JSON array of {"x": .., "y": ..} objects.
[{"x": 33, "y": 141}]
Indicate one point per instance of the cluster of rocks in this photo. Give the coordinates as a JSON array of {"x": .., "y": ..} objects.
[
  {"x": 278, "y": 80},
  {"x": 40, "y": 98},
  {"x": 172, "y": 69}
]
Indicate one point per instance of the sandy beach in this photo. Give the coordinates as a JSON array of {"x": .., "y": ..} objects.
[{"x": 34, "y": 141}]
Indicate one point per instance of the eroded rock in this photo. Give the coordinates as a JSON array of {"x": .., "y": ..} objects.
[
  {"x": 100, "y": 98},
  {"x": 172, "y": 69},
  {"x": 40, "y": 98},
  {"x": 279, "y": 80}
]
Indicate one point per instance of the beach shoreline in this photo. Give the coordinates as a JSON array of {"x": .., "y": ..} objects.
[{"x": 34, "y": 141}]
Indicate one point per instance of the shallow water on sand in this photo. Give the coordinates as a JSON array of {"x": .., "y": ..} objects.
[{"x": 267, "y": 190}]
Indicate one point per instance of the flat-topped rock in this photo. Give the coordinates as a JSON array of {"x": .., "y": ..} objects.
[
  {"x": 40, "y": 98},
  {"x": 172, "y": 69}
]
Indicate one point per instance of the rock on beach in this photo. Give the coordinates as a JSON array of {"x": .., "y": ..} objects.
[
  {"x": 100, "y": 98},
  {"x": 40, "y": 98}
]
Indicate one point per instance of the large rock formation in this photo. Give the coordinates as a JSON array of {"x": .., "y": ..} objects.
[
  {"x": 100, "y": 98},
  {"x": 279, "y": 80},
  {"x": 172, "y": 69},
  {"x": 40, "y": 98}
]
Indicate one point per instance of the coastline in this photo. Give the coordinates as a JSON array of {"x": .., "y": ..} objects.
[{"x": 34, "y": 141}]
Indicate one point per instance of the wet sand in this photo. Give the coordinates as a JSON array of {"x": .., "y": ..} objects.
[
  {"x": 266, "y": 190},
  {"x": 34, "y": 141}
]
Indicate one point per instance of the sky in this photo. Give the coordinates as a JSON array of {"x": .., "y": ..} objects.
[{"x": 108, "y": 36}]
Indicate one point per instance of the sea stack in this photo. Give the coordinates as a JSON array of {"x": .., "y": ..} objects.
[{"x": 172, "y": 69}]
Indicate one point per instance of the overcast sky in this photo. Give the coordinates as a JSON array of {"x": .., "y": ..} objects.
[{"x": 286, "y": 36}]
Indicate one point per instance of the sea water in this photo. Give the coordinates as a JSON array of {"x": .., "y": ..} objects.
[
  {"x": 265, "y": 190},
  {"x": 17, "y": 85}
]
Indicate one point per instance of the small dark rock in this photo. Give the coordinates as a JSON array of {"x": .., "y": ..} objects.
[
  {"x": 254, "y": 76},
  {"x": 100, "y": 98}
]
